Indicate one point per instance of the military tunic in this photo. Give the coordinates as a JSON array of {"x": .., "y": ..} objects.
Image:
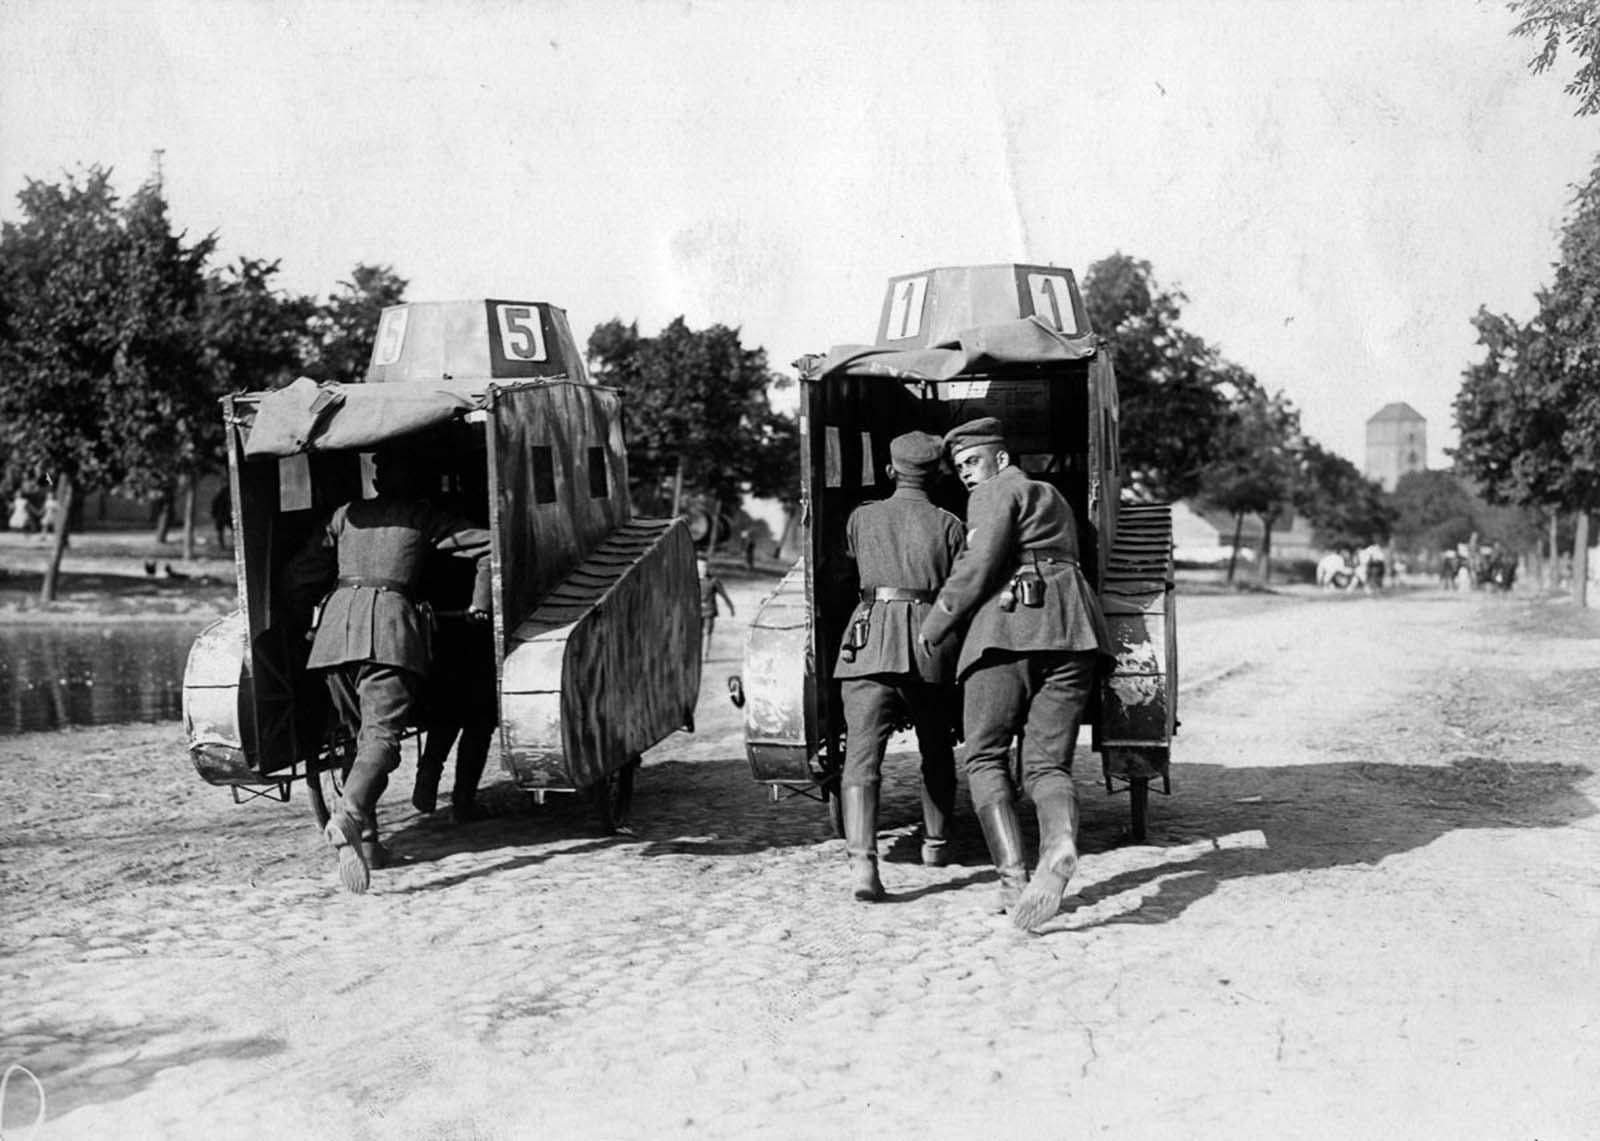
[
  {"x": 903, "y": 541},
  {"x": 1027, "y": 669},
  {"x": 372, "y": 641}
]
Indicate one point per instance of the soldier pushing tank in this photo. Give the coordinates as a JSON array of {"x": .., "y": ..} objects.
[
  {"x": 1028, "y": 665},
  {"x": 903, "y": 548}
]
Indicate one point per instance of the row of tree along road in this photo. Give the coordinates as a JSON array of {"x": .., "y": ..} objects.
[{"x": 118, "y": 335}]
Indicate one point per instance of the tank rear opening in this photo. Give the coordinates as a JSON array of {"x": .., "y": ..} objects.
[{"x": 283, "y": 502}]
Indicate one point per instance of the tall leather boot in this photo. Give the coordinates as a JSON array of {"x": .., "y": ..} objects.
[
  {"x": 356, "y": 820},
  {"x": 860, "y": 804},
  {"x": 430, "y": 767},
  {"x": 936, "y": 812},
  {"x": 1058, "y": 859},
  {"x": 471, "y": 753},
  {"x": 1003, "y": 832}
]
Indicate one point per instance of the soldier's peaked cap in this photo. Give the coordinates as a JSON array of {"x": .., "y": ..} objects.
[
  {"x": 915, "y": 453},
  {"x": 983, "y": 430}
]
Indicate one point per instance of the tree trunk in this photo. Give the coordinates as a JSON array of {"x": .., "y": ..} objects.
[
  {"x": 163, "y": 515},
  {"x": 1233, "y": 556},
  {"x": 716, "y": 525},
  {"x": 52, "y": 572},
  {"x": 1265, "y": 571},
  {"x": 677, "y": 489},
  {"x": 1555, "y": 553},
  {"x": 1580, "y": 560},
  {"x": 188, "y": 515}
]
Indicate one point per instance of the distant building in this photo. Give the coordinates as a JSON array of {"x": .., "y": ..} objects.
[{"x": 1397, "y": 443}]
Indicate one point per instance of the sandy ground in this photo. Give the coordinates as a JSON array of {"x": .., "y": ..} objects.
[{"x": 1368, "y": 909}]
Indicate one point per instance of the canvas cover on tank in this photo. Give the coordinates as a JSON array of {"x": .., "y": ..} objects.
[
  {"x": 309, "y": 417},
  {"x": 980, "y": 349},
  {"x": 487, "y": 338}
]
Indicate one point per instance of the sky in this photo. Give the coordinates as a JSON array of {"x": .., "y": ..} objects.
[{"x": 1336, "y": 185}]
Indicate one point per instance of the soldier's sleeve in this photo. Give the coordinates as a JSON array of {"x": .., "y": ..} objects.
[
  {"x": 307, "y": 575},
  {"x": 460, "y": 539},
  {"x": 979, "y": 569}
]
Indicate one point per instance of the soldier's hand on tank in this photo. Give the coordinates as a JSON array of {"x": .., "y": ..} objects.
[{"x": 479, "y": 616}]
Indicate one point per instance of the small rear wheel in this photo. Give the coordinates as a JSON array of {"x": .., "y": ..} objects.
[{"x": 612, "y": 797}]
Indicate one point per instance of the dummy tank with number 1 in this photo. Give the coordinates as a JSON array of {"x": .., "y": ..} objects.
[{"x": 953, "y": 344}]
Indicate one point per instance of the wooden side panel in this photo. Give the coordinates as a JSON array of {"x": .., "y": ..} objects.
[
  {"x": 552, "y": 503},
  {"x": 609, "y": 664}
]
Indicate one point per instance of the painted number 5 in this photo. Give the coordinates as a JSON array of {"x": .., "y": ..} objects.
[{"x": 521, "y": 332}]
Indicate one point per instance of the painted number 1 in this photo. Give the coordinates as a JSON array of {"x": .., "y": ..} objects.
[
  {"x": 905, "y": 308},
  {"x": 1052, "y": 301},
  {"x": 521, "y": 332}
]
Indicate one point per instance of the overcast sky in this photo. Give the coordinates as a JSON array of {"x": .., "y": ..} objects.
[{"x": 1337, "y": 186}]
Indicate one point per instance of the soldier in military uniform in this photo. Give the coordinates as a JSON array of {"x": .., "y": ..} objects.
[
  {"x": 372, "y": 640},
  {"x": 1030, "y": 658},
  {"x": 903, "y": 547}
]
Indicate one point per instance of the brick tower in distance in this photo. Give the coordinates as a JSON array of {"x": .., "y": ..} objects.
[{"x": 1397, "y": 443}]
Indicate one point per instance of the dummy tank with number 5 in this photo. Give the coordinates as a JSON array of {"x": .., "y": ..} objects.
[
  {"x": 953, "y": 344},
  {"x": 596, "y": 632}
]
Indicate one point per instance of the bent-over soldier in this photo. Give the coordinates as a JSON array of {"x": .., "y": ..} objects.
[
  {"x": 1028, "y": 663},
  {"x": 372, "y": 640},
  {"x": 903, "y": 548}
]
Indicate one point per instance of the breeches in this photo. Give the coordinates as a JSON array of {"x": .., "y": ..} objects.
[
  {"x": 375, "y": 701},
  {"x": 871, "y": 705},
  {"x": 1040, "y": 695}
]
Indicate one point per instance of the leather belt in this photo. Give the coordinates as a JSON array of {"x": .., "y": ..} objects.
[
  {"x": 393, "y": 586},
  {"x": 1028, "y": 558},
  {"x": 896, "y": 594}
]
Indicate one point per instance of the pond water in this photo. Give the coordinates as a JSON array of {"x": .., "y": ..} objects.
[{"x": 54, "y": 676}]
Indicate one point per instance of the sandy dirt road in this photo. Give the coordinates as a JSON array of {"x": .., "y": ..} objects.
[{"x": 1370, "y": 908}]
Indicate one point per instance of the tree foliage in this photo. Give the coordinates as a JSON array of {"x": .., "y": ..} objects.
[
  {"x": 1171, "y": 384},
  {"x": 102, "y": 365},
  {"x": 697, "y": 404},
  {"x": 1528, "y": 414},
  {"x": 1574, "y": 24},
  {"x": 344, "y": 327},
  {"x": 1256, "y": 464},
  {"x": 1345, "y": 508}
]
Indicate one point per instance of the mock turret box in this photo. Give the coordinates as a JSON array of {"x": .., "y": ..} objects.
[
  {"x": 471, "y": 340},
  {"x": 935, "y": 306}
]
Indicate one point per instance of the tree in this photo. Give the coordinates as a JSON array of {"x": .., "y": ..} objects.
[
  {"x": 1575, "y": 23},
  {"x": 698, "y": 416},
  {"x": 1434, "y": 511},
  {"x": 1344, "y": 507},
  {"x": 100, "y": 359},
  {"x": 1256, "y": 469},
  {"x": 1528, "y": 414},
  {"x": 345, "y": 326},
  {"x": 1171, "y": 384}
]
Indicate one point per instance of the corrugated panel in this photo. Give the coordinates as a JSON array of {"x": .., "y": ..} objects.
[
  {"x": 1138, "y": 700},
  {"x": 609, "y": 665}
]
